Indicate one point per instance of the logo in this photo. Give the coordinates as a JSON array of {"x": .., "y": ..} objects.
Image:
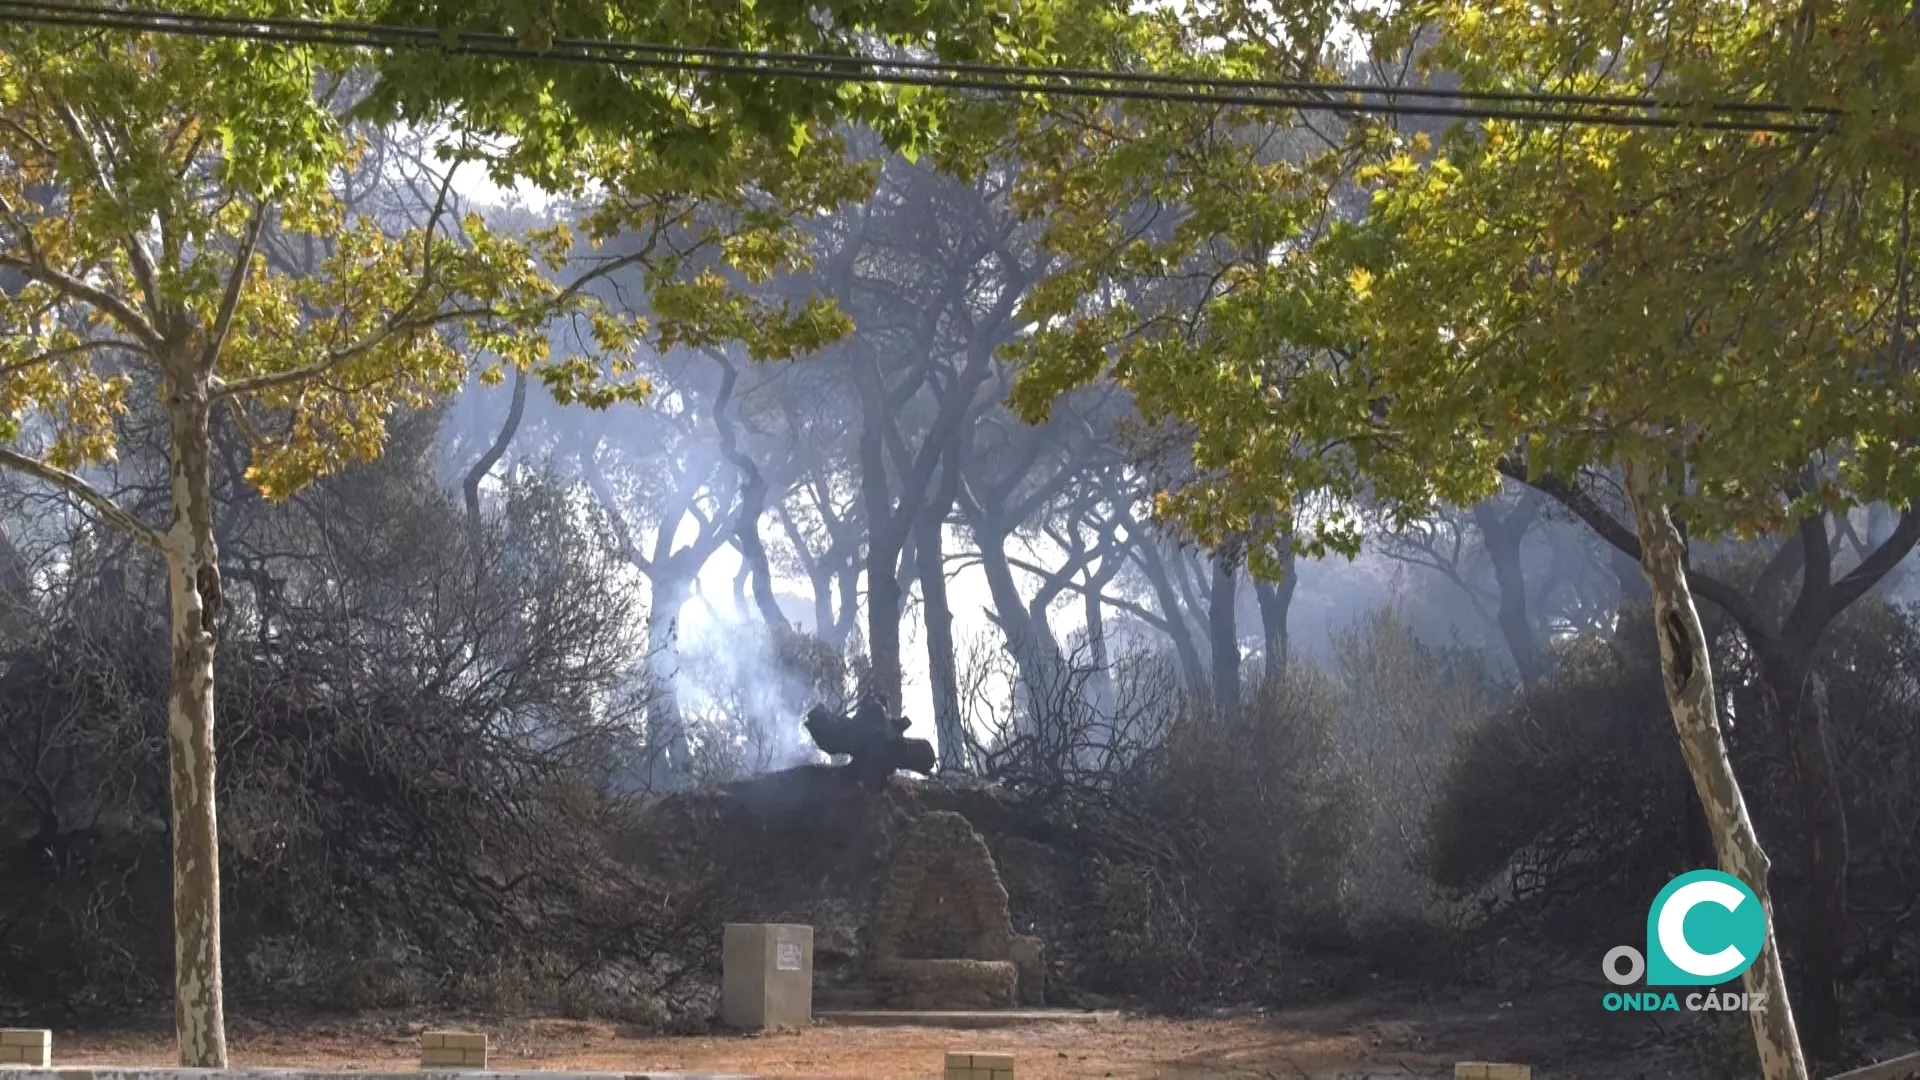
[{"x": 1705, "y": 928}]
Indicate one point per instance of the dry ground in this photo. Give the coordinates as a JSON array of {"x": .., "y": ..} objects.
[{"x": 1412, "y": 1036}]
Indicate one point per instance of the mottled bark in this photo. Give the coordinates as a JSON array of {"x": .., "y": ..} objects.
[
  {"x": 1687, "y": 671},
  {"x": 193, "y": 580}
]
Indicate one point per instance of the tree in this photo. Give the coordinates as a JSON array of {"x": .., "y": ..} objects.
[
  {"x": 1721, "y": 315},
  {"x": 142, "y": 171}
]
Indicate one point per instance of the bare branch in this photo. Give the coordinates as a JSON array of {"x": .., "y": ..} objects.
[
  {"x": 137, "y": 255},
  {"x": 1699, "y": 582},
  {"x": 93, "y": 498},
  {"x": 236, "y": 283}
]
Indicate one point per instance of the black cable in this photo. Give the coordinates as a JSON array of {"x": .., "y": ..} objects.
[
  {"x": 834, "y": 60},
  {"x": 621, "y": 54}
]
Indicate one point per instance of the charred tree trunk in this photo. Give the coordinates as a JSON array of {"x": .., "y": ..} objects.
[
  {"x": 1799, "y": 699},
  {"x": 1224, "y": 632},
  {"x": 942, "y": 672},
  {"x": 753, "y": 504},
  {"x": 516, "y": 409},
  {"x": 1503, "y": 533},
  {"x": 884, "y": 597},
  {"x": 1687, "y": 672},
  {"x": 193, "y": 580},
  {"x": 1100, "y": 685},
  {"x": 670, "y": 596},
  {"x": 1276, "y": 599},
  {"x": 1154, "y": 566},
  {"x": 1040, "y": 667}
]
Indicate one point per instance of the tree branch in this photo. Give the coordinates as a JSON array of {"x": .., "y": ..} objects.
[
  {"x": 142, "y": 262},
  {"x": 1700, "y": 583},
  {"x": 129, "y": 319},
  {"x": 236, "y": 283},
  {"x": 1877, "y": 564},
  {"x": 94, "y": 499}
]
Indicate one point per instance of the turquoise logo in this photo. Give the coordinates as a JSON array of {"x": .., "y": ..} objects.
[{"x": 1705, "y": 928}]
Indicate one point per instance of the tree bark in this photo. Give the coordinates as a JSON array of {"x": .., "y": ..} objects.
[
  {"x": 1037, "y": 659},
  {"x": 884, "y": 596},
  {"x": 1276, "y": 599},
  {"x": 1503, "y": 534},
  {"x": 942, "y": 674},
  {"x": 1800, "y": 707},
  {"x": 1224, "y": 632},
  {"x": 669, "y": 599},
  {"x": 1687, "y": 672},
  {"x": 193, "y": 581},
  {"x": 1154, "y": 566},
  {"x": 753, "y": 504},
  {"x": 516, "y": 409}
]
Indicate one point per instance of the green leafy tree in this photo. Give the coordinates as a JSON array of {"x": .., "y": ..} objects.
[
  {"x": 139, "y": 174},
  {"x": 1722, "y": 316}
]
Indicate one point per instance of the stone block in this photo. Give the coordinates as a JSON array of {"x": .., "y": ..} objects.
[
  {"x": 948, "y": 984},
  {"x": 32, "y": 1047},
  {"x": 453, "y": 1050},
  {"x": 972, "y": 1065},
  {"x": 766, "y": 979},
  {"x": 1491, "y": 1070}
]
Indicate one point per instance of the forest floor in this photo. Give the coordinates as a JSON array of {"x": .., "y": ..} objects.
[{"x": 1397, "y": 1035}]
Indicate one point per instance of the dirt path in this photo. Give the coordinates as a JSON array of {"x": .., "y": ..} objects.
[
  {"x": 1350, "y": 1042},
  {"x": 1129, "y": 1047}
]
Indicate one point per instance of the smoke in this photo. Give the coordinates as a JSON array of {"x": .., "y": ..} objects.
[{"x": 742, "y": 704}]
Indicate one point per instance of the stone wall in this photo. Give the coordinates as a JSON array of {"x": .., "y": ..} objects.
[{"x": 942, "y": 936}]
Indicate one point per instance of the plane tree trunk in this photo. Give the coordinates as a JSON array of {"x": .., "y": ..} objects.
[
  {"x": 1687, "y": 677},
  {"x": 193, "y": 586}
]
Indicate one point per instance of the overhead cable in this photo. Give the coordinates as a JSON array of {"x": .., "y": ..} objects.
[{"x": 1342, "y": 98}]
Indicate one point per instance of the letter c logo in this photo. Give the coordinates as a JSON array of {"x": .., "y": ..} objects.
[
  {"x": 1673, "y": 934},
  {"x": 1705, "y": 928}
]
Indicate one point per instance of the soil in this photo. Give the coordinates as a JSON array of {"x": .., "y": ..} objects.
[{"x": 1397, "y": 1035}]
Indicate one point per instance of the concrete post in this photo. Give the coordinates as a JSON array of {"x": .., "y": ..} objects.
[{"x": 766, "y": 981}]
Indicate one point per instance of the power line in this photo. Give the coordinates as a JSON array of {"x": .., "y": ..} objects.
[
  {"x": 838, "y": 61},
  {"x": 951, "y": 75}
]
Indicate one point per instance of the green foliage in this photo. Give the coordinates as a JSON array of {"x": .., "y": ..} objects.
[
  {"x": 1363, "y": 311},
  {"x": 148, "y": 178},
  {"x": 1572, "y": 805}
]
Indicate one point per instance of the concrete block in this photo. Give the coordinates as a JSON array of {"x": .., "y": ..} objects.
[
  {"x": 32, "y": 1047},
  {"x": 974, "y": 1065},
  {"x": 453, "y": 1050},
  {"x": 766, "y": 980},
  {"x": 1491, "y": 1070}
]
